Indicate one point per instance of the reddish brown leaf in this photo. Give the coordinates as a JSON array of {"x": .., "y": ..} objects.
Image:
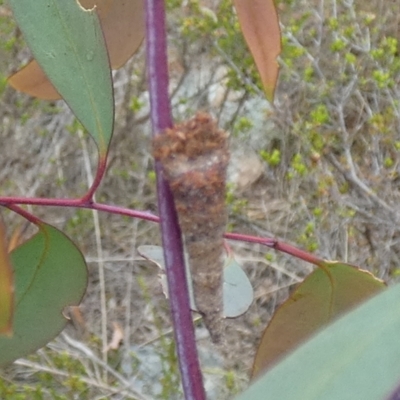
[
  {"x": 32, "y": 80},
  {"x": 123, "y": 27},
  {"x": 324, "y": 295},
  {"x": 260, "y": 26},
  {"x": 6, "y": 287}
]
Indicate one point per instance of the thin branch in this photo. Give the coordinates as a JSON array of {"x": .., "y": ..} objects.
[
  {"x": 266, "y": 241},
  {"x": 277, "y": 245},
  {"x": 78, "y": 203},
  {"x": 101, "y": 169},
  {"x": 27, "y": 215},
  {"x": 351, "y": 176}
]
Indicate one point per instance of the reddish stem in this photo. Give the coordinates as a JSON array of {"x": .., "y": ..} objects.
[
  {"x": 298, "y": 253},
  {"x": 277, "y": 245},
  {"x": 37, "y": 201},
  {"x": 79, "y": 203},
  {"x": 28, "y": 216},
  {"x": 101, "y": 169}
]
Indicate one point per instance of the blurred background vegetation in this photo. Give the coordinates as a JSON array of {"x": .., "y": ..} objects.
[{"x": 319, "y": 169}]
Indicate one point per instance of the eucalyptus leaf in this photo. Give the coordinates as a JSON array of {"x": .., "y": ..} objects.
[
  {"x": 237, "y": 290},
  {"x": 68, "y": 43},
  {"x": 357, "y": 357},
  {"x": 50, "y": 274}
]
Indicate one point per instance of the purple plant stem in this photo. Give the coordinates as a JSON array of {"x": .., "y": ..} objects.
[
  {"x": 157, "y": 70},
  {"x": 395, "y": 395}
]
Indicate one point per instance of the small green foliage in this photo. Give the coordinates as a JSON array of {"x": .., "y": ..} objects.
[
  {"x": 317, "y": 212},
  {"x": 3, "y": 83},
  {"x": 151, "y": 176},
  {"x": 269, "y": 257},
  {"x": 320, "y": 114},
  {"x": 310, "y": 228},
  {"x": 338, "y": 45},
  {"x": 349, "y": 31},
  {"x": 231, "y": 382},
  {"x": 273, "y": 158},
  {"x": 377, "y": 54},
  {"x": 170, "y": 381},
  {"x": 291, "y": 52},
  {"x": 381, "y": 121},
  {"x": 75, "y": 127},
  {"x": 298, "y": 165},
  {"x": 395, "y": 272},
  {"x": 64, "y": 361},
  {"x": 242, "y": 125},
  {"x": 9, "y": 40},
  {"x": 308, "y": 238},
  {"x": 136, "y": 104},
  {"x": 173, "y": 4},
  {"x": 391, "y": 44},
  {"x": 50, "y": 386},
  {"x": 388, "y": 162},
  {"x": 122, "y": 173},
  {"x": 382, "y": 78},
  {"x": 344, "y": 187},
  {"x": 8, "y": 391},
  {"x": 350, "y": 58},
  {"x": 221, "y": 31},
  {"x": 75, "y": 384},
  {"x": 333, "y": 24},
  {"x": 230, "y": 196},
  {"x": 238, "y": 206},
  {"x": 235, "y": 204},
  {"x": 387, "y": 47},
  {"x": 80, "y": 224},
  {"x": 308, "y": 73},
  {"x": 345, "y": 212},
  {"x": 24, "y": 118}
]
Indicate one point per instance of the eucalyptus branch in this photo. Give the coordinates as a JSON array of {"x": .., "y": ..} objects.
[{"x": 273, "y": 243}]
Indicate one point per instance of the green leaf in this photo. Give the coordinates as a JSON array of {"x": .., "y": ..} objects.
[
  {"x": 237, "y": 290},
  {"x": 50, "y": 274},
  {"x": 123, "y": 27},
  {"x": 6, "y": 286},
  {"x": 67, "y": 41},
  {"x": 326, "y": 293},
  {"x": 357, "y": 357}
]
